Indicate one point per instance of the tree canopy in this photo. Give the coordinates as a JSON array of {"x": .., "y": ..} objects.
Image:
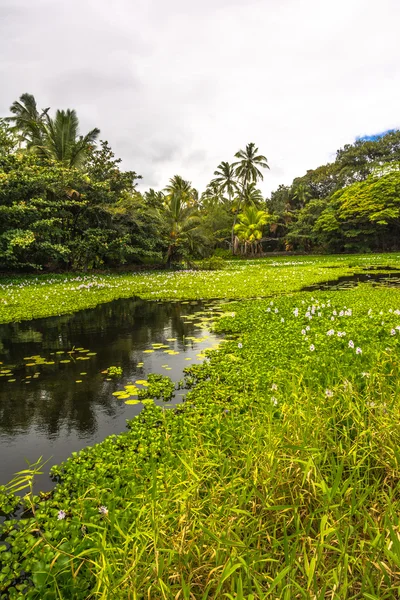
[{"x": 66, "y": 203}]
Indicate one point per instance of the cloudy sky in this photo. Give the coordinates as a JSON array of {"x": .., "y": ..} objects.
[{"x": 177, "y": 86}]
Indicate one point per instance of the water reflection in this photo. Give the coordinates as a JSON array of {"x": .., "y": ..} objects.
[{"x": 45, "y": 412}]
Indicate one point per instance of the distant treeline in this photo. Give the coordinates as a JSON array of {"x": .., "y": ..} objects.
[{"x": 65, "y": 203}]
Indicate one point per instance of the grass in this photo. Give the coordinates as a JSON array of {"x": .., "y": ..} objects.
[
  {"x": 31, "y": 297},
  {"x": 277, "y": 478}
]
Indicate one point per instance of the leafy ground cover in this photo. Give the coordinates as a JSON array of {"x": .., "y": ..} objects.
[
  {"x": 277, "y": 478},
  {"x": 32, "y": 297}
]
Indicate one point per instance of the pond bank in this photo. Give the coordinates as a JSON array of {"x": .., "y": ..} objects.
[{"x": 284, "y": 455}]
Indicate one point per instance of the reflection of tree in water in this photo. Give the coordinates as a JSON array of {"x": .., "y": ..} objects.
[{"x": 117, "y": 331}]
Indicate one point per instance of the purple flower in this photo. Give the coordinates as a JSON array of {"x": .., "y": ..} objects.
[{"x": 61, "y": 515}]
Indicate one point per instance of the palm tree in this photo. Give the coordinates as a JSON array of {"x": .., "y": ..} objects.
[
  {"x": 226, "y": 179},
  {"x": 248, "y": 170},
  {"x": 179, "y": 217},
  {"x": 301, "y": 193},
  {"x": 250, "y": 227},
  {"x": 28, "y": 121},
  {"x": 211, "y": 196},
  {"x": 252, "y": 196},
  {"x": 61, "y": 141}
]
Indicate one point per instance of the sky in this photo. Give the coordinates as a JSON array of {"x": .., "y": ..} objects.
[{"x": 178, "y": 86}]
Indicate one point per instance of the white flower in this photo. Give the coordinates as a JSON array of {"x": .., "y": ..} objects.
[
  {"x": 274, "y": 387},
  {"x": 282, "y": 320},
  {"x": 61, "y": 515},
  {"x": 328, "y": 393},
  {"x": 103, "y": 510},
  {"x": 308, "y": 328},
  {"x": 332, "y": 318},
  {"x": 364, "y": 374},
  {"x": 351, "y": 344},
  {"x": 358, "y": 350},
  {"x": 312, "y": 348},
  {"x": 330, "y": 332},
  {"x": 303, "y": 332},
  {"x": 240, "y": 345},
  {"x": 274, "y": 401},
  {"x": 296, "y": 312},
  {"x": 392, "y": 332}
]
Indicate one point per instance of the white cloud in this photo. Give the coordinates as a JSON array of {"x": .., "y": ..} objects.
[{"x": 178, "y": 86}]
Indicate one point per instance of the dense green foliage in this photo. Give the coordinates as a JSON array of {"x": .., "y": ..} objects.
[
  {"x": 276, "y": 478},
  {"x": 348, "y": 205},
  {"x": 66, "y": 204}
]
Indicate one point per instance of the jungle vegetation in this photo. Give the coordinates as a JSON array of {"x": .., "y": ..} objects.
[{"x": 67, "y": 204}]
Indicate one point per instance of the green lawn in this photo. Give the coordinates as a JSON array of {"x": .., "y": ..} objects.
[{"x": 277, "y": 478}]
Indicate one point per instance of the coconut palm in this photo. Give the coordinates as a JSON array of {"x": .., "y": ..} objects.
[
  {"x": 249, "y": 229},
  {"x": 178, "y": 184},
  {"x": 247, "y": 170},
  {"x": 61, "y": 141},
  {"x": 226, "y": 179},
  {"x": 252, "y": 196},
  {"x": 28, "y": 121},
  {"x": 180, "y": 218}
]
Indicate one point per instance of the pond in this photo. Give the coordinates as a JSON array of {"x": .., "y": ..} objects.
[{"x": 54, "y": 398}]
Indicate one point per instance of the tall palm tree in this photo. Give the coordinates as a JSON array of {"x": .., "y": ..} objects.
[
  {"x": 248, "y": 170},
  {"x": 179, "y": 217},
  {"x": 252, "y": 196},
  {"x": 28, "y": 121},
  {"x": 226, "y": 179},
  {"x": 61, "y": 140},
  {"x": 250, "y": 227}
]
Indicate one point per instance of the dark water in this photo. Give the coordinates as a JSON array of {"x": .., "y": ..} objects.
[
  {"x": 391, "y": 279},
  {"x": 45, "y": 412}
]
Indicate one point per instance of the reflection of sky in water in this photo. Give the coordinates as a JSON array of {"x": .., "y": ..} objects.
[{"x": 52, "y": 415}]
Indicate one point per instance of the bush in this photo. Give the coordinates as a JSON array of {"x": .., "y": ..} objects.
[
  {"x": 214, "y": 263},
  {"x": 222, "y": 253}
]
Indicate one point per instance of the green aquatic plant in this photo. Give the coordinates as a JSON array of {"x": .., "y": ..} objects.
[{"x": 114, "y": 372}]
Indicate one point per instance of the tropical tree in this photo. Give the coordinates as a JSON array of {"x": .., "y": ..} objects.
[
  {"x": 28, "y": 121},
  {"x": 252, "y": 196},
  {"x": 179, "y": 218},
  {"x": 61, "y": 140},
  {"x": 301, "y": 193},
  {"x": 248, "y": 167},
  {"x": 247, "y": 170},
  {"x": 249, "y": 229},
  {"x": 225, "y": 179}
]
